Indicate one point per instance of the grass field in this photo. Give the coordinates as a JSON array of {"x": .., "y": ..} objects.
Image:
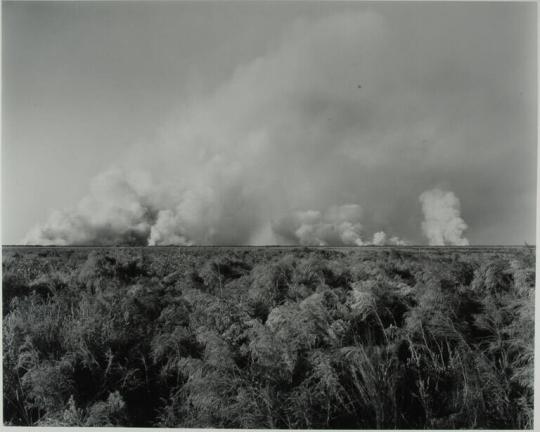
[{"x": 275, "y": 337}]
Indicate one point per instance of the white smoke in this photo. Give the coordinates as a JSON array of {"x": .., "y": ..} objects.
[
  {"x": 119, "y": 209},
  {"x": 335, "y": 226},
  {"x": 129, "y": 208},
  {"x": 316, "y": 121},
  {"x": 381, "y": 239},
  {"x": 442, "y": 223}
]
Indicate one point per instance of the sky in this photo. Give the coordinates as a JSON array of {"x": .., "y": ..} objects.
[{"x": 268, "y": 123}]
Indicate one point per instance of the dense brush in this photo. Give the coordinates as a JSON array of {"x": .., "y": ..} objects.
[{"x": 303, "y": 338}]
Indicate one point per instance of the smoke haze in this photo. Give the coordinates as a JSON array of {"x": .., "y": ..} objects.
[{"x": 328, "y": 138}]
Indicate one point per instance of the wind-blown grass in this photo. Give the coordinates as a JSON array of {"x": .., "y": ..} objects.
[{"x": 269, "y": 338}]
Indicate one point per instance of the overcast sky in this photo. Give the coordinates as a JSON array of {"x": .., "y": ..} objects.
[{"x": 254, "y": 112}]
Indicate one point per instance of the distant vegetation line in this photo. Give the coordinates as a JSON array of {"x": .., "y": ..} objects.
[{"x": 278, "y": 246}]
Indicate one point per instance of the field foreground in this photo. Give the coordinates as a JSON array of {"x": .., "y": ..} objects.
[{"x": 269, "y": 337}]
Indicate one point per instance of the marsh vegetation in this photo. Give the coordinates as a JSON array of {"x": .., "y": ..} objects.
[{"x": 269, "y": 337}]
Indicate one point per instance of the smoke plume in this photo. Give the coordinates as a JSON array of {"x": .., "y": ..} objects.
[
  {"x": 321, "y": 121},
  {"x": 117, "y": 210},
  {"x": 336, "y": 226},
  {"x": 442, "y": 223}
]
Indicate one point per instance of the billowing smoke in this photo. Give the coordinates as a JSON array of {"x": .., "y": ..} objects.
[
  {"x": 442, "y": 223},
  {"x": 381, "y": 239},
  {"x": 129, "y": 208},
  {"x": 322, "y": 121},
  {"x": 335, "y": 226},
  {"x": 118, "y": 210}
]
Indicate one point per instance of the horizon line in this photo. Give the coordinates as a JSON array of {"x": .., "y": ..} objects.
[{"x": 272, "y": 246}]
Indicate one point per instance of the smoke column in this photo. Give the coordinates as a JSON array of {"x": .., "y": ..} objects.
[
  {"x": 442, "y": 223},
  {"x": 295, "y": 147}
]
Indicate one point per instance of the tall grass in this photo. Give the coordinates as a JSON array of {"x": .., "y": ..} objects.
[{"x": 303, "y": 338}]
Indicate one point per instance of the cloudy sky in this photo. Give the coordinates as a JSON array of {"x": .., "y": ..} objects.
[{"x": 264, "y": 123}]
